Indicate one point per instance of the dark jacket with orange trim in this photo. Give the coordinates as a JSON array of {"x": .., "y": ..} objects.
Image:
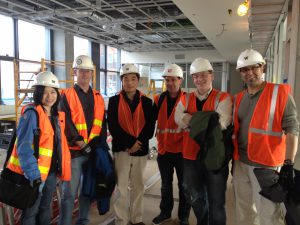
[{"x": 122, "y": 139}]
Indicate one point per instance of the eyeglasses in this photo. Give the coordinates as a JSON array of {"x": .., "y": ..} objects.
[{"x": 253, "y": 68}]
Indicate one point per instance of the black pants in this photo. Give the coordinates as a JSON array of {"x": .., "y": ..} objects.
[
  {"x": 166, "y": 164},
  {"x": 290, "y": 217}
]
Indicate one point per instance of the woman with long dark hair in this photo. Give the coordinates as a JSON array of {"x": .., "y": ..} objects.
[{"x": 53, "y": 158}]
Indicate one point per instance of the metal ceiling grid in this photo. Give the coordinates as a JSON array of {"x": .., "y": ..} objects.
[
  {"x": 263, "y": 20},
  {"x": 131, "y": 25}
]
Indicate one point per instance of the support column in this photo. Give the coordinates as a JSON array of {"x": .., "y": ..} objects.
[
  {"x": 294, "y": 72},
  {"x": 63, "y": 50},
  {"x": 295, "y": 78},
  {"x": 96, "y": 61}
]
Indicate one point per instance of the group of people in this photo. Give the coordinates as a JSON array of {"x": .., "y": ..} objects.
[{"x": 265, "y": 135}]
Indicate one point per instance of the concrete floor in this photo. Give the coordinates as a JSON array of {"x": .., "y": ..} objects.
[{"x": 152, "y": 200}]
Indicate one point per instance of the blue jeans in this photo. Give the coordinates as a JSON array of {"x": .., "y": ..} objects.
[
  {"x": 216, "y": 183},
  {"x": 40, "y": 212},
  {"x": 69, "y": 193},
  {"x": 166, "y": 164},
  {"x": 195, "y": 189},
  {"x": 207, "y": 190}
]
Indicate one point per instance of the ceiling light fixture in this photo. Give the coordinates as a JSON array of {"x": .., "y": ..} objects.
[{"x": 243, "y": 8}]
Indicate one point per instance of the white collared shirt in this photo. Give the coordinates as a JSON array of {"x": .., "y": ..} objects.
[{"x": 224, "y": 109}]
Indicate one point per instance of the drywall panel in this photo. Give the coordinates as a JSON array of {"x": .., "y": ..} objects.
[{"x": 169, "y": 57}]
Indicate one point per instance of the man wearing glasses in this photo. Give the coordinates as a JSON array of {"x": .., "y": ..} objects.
[
  {"x": 265, "y": 136},
  {"x": 202, "y": 185}
]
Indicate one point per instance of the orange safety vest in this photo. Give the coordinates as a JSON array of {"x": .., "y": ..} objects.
[
  {"x": 191, "y": 147},
  {"x": 169, "y": 136},
  {"x": 78, "y": 118},
  {"x": 46, "y": 148},
  {"x": 132, "y": 123},
  {"x": 266, "y": 140}
]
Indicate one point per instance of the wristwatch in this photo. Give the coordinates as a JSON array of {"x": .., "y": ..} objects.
[{"x": 288, "y": 162}]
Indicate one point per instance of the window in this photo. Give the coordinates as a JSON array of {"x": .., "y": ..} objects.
[
  {"x": 7, "y": 36},
  {"x": 6, "y": 67},
  {"x": 112, "y": 59},
  {"x": 156, "y": 72},
  {"x": 102, "y": 56},
  {"x": 7, "y": 82},
  {"x": 32, "y": 46},
  {"x": 112, "y": 83},
  {"x": 113, "y": 66},
  {"x": 102, "y": 83},
  {"x": 81, "y": 47}
]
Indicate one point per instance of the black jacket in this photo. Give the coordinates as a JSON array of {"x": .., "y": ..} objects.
[{"x": 123, "y": 140}]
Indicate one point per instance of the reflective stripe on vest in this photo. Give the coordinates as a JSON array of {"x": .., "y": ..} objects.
[
  {"x": 14, "y": 160},
  {"x": 271, "y": 117},
  {"x": 266, "y": 139},
  {"x": 172, "y": 131},
  {"x": 169, "y": 136},
  {"x": 78, "y": 117},
  {"x": 81, "y": 126},
  {"x": 217, "y": 99},
  {"x": 45, "y": 152}
]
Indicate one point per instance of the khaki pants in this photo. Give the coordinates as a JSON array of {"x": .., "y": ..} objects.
[
  {"x": 251, "y": 207},
  {"x": 130, "y": 170}
]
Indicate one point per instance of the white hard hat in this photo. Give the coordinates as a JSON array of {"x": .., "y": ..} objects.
[
  {"x": 129, "y": 68},
  {"x": 173, "y": 70},
  {"x": 249, "y": 57},
  {"x": 200, "y": 65},
  {"x": 47, "y": 79},
  {"x": 83, "y": 62}
]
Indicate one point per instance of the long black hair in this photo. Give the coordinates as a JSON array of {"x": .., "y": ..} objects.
[{"x": 38, "y": 97}]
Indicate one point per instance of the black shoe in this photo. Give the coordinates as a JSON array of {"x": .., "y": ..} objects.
[
  {"x": 160, "y": 219},
  {"x": 184, "y": 223}
]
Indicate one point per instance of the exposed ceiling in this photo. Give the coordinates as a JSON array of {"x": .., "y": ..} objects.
[
  {"x": 132, "y": 25},
  {"x": 157, "y": 25},
  {"x": 229, "y": 33},
  {"x": 263, "y": 20}
]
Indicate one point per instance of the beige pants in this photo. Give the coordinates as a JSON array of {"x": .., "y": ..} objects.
[
  {"x": 130, "y": 170},
  {"x": 251, "y": 207}
]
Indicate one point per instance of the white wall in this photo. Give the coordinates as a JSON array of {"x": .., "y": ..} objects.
[{"x": 169, "y": 57}]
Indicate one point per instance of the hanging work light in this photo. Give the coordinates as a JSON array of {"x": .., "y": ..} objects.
[{"x": 243, "y": 8}]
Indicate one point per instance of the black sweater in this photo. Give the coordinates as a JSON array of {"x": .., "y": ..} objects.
[{"x": 123, "y": 140}]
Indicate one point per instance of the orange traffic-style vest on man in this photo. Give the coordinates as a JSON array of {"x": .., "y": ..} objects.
[
  {"x": 266, "y": 140},
  {"x": 132, "y": 123},
  {"x": 78, "y": 118},
  {"x": 169, "y": 135},
  {"x": 191, "y": 147},
  {"x": 46, "y": 148}
]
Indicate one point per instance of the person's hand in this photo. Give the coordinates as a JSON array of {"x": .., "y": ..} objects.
[
  {"x": 35, "y": 183},
  {"x": 85, "y": 149},
  {"x": 137, "y": 146},
  {"x": 286, "y": 175},
  {"x": 186, "y": 119}
]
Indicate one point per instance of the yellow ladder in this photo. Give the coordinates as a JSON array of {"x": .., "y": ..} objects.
[
  {"x": 19, "y": 74},
  {"x": 152, "y": 88}
]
